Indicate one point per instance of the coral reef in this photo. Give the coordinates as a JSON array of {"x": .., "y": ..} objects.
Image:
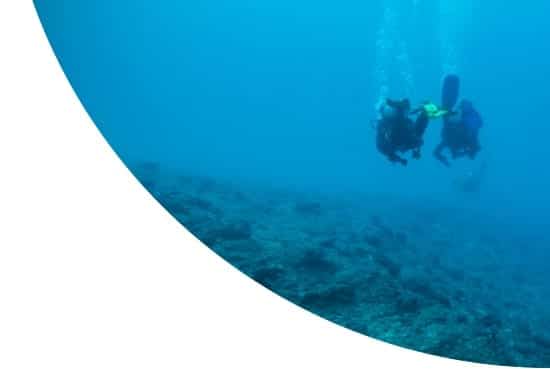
[{"x": 436, "y": 280}]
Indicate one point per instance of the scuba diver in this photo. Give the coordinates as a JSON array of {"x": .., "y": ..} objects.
[
  {"x": 460, "y": 128},
  {"x": 397, "y": 133}
]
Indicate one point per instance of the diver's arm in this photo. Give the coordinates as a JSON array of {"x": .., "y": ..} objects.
[
  {"x": 421, "y": 124},
  {"x": 417, "y": 110}
]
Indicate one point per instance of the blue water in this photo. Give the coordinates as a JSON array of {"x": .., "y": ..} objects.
[{"x": 279, "y": 95}]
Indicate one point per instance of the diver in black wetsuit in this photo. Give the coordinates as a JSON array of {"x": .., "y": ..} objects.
[{"x": 398, "y": 133}]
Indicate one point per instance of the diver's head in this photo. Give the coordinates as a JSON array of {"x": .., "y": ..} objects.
[
  {"x": 392, "y": 109},
  {"x": 466, "y": 105},
  {"x": 388, "y": 112},
  {"x": 403, "y": 106}
]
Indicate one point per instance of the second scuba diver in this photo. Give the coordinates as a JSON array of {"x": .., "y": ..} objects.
[
  {"x": 461, "y": 129},
  {"x": 460, "y": 133},
  {"x": 398, "y": 133}
]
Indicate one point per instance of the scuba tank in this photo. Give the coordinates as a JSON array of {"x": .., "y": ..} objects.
[{"x": 450, "y": 91}]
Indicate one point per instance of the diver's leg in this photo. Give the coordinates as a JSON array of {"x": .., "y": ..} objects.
[
  {"x": 469, "y": 146},
  {"x": 476, "y": 147},
  {"x": 438, "y": 153},
  {"x": 473, "y": 151},
  {"x": 416, "y": 139},
  {"x": 394, "y": 158}
]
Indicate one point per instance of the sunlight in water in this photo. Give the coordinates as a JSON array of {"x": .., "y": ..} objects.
[
  {"x": 453, "y": 21},
  {"x": 392, "y": 57}
]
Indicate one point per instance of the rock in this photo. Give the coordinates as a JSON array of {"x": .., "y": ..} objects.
[
  {"x": 353, "y": 251},
  {"x": 207, "y": 185},
  {"x": 447, "y": 345},
  {"x": 316, "y": 261},
  {"x": 376, "y": 221},
  {"x": 334, "y": 296},
  {"x": 400, "y": 237},
  {"x": 172, "y": 203},
  {"x": 461, "y": 318},
  {"x": 373, "y": 240},
  {"x": 393, "y": 268},
  {"x": 329, "y": 243},
  {"x": 456, "y": 274},
  {"x": 459, "y": 296},
  {"x": 234, "y": 231},
  {"x": 490, "y": 318},
  {"x": 407, "y": 304},
  {"x": 197, "y": 202},
  {"x": 268, "y": 276},
  {"x": 308, "y": 208},
  {"x": 425, "y": 289}
]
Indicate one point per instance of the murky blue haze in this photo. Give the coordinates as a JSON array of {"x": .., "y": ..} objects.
[{"x": 251, "y": 123}]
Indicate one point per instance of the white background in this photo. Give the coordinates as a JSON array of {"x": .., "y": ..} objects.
[{"x": 95, "y": 274}]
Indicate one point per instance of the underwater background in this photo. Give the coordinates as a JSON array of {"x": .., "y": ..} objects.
[{"x": 250, "y": 122}]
